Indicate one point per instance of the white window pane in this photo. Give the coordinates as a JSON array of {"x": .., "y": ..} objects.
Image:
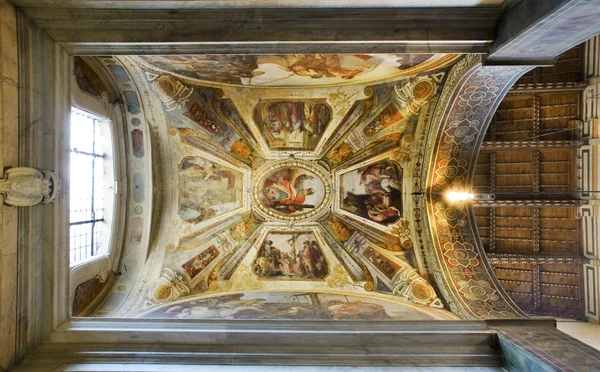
[
  {"x": 81, "y": 240},
  {"x": 87, "y": 187},
  {"x": 98, "y": 144},
  {"x": 81, "y": 187},
  {"x": 82, "y": 132},
  {"x": 99, "y": 188}
]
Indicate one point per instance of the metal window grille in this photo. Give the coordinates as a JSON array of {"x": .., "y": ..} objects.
[{"x": 86, "y": 186}]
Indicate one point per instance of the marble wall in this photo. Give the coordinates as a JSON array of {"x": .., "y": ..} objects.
[{"x": 8, "y": 158}]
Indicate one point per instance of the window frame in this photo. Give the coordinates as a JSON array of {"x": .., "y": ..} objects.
[
  {"x": 108, "y": 199},
  {"x": 106, "y": 261}
]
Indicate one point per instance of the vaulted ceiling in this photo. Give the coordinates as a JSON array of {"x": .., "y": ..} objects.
[
  {"x": 285, "y": 176},
  {"x": 285, "y": 185}
]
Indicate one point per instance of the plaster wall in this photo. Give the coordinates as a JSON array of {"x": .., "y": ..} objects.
[{"x": 584, "y": 332}]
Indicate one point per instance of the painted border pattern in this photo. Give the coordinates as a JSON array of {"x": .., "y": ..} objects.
[{"x": 471, "y": 97}]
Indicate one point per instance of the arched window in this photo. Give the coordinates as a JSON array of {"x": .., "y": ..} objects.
[{"x": 92, "y": 184}]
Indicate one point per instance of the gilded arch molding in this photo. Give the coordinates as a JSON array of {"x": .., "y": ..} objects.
[{"x": 456, "y": 259}]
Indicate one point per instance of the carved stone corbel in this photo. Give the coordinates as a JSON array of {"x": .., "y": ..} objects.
[{"x": 25, "y": 187}]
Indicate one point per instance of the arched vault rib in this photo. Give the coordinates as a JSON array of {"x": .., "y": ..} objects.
[{"x": 455, "y": 255}]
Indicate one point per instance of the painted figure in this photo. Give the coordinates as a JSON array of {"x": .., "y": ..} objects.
[
  {"x": 290, "y": 259},
  {"x": 206, "y": 189},
  {"x": 297, "y": 125},
  {"x": 196, "y": 264},
  {"x": 218, "y": 67},
  {"x": 378, "y": 195},
  {"x": 288, "y": 190}
]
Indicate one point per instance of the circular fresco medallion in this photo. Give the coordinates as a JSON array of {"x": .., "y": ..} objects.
[
  {"x": 423, "y": 89},
  {"x": 287, "y": 190}
]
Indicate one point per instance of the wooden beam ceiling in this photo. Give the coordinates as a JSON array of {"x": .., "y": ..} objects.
[{"x": 530, "y": 158}]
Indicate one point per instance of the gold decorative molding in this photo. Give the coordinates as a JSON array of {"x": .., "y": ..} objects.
[{"x": 455, "y": 255}]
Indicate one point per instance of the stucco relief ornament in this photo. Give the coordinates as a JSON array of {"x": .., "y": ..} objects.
[
  {"x": 25, "y": 187},
  {"x": 415, "y": 94},
  {"x": 169, "y": 287},
  {"x": 171, "y": 92},
  {"x": 339, "y": 279},
  {"x": 410, "y": 285}
]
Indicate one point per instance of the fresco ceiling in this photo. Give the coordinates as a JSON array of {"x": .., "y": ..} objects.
[{"x": 274, "y": 185}]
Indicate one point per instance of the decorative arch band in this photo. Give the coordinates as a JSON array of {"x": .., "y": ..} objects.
[{"x": 457, "y": 260}]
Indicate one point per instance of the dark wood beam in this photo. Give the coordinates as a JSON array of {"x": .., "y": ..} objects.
[
  {"x": 529, "y": 203},
  {"x": 518, "y": 259},
  {"x": 531, "y": 88},
  {"x": 527, "y": 145}
]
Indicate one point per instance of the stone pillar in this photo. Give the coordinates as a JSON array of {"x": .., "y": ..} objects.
[{"x": 9, "y": 155}]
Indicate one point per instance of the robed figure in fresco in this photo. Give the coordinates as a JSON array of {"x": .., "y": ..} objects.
[
  {"x": 381, "y": 196},
  {"x": 290, "y": 124},
  {"x": 285, "y": 191},
  {"x": 283, "y": 256}
]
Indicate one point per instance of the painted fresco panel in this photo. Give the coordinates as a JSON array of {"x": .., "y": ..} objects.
[
  {"x": 374, "y": 192},
  {"x": 292, "y": 125},
  {"x": 119, "y": 73},
  {"x": 294, "y": 255},
  {"x": 290, "y": 306},
  {"x": 257, "y": 177},
  {"x": 388, "y": 117},
  {"x": 199, "y": 262},
  {"x": 381, "y": 262},
  {"x": 137, "y": 226},
  {"x": 207, "y": 189},
  {"x": 137, "y": 143},
  {"x": 133, "y": 104},
  {"x": 87, "y": 79},
  {"x": 294, "y": 69},
  {"x": 293, "y": 191},
  {"x": 198, "y": 115}
]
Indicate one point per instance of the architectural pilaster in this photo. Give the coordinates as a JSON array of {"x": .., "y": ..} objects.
[
  {"x": 44, "y": 97},
  {"x": 590, "y": 179},
  {"x": 9, "y": 82}
]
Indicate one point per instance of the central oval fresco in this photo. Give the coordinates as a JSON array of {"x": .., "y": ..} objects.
[{"x": 289, "y": 190}]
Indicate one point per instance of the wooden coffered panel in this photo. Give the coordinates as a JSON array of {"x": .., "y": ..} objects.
[{"x": 530, "y": 153}]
